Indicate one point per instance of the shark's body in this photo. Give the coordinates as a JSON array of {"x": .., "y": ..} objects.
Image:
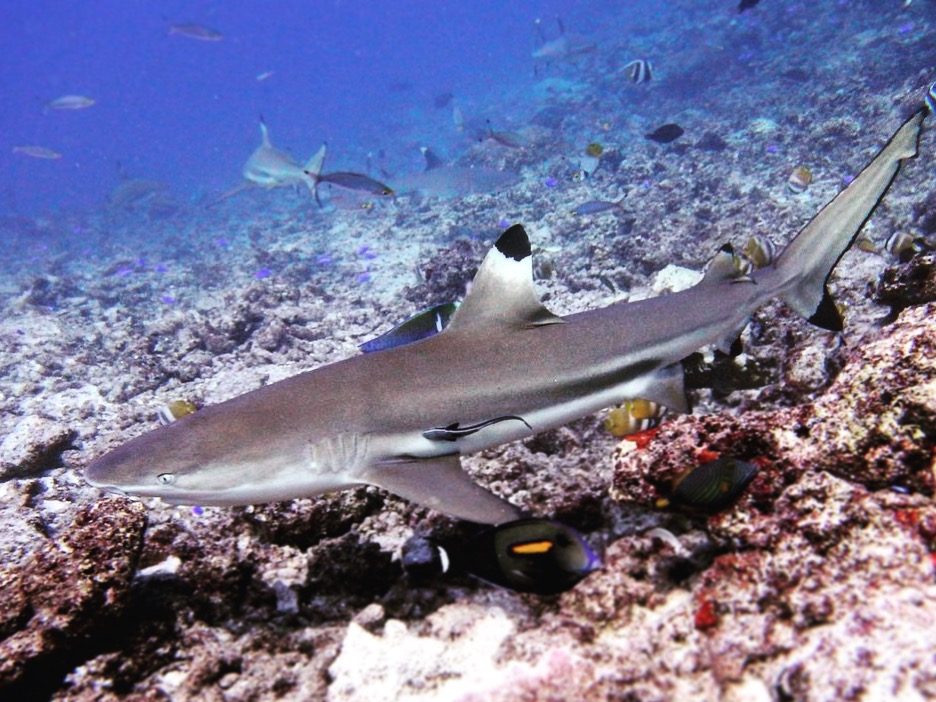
[
  {"x": 503, "y": 369},
  {"x": 268, "y": 167}
]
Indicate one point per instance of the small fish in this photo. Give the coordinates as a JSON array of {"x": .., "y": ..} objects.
[
  {"x": 866, "y": 244},
  {"x": 746, "y": 5},
  {"x": 458, "y": 119},
  {"x": 420, "y": 326},
  {"x": 587, "y": 166},
  {"x": 528, "y": 555},
  {"x": 34, "y": 151},
  {"x": 634, "y": 416},
  {"x": 667, "y": 133},
  {"x": 511, "y": 140},
  {"x": 726, "y": 264},
  {"x": 930, "y": 99},
  {"x": 759, "y": 250},
  {"x": 590, "y": 160},
  {"x": 712, "y": 487},
  {"x": 263, "y": 76},
  {"x": 356, "y": 181},
  {"x": 195, "y": 31},
  {"x": 639, "y": 71},
  {"x": 593, "y": 207},
  {"x": 799, "y": 179},
  {"x": 902, "y": 246},
  {"x": 70, "y": 102},
  {"x": 175, "y": 410}
]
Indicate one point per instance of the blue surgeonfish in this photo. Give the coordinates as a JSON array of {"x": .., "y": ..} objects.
[
  {"x": 529, "y": 555},
  {"x": 504, "y": 368}
]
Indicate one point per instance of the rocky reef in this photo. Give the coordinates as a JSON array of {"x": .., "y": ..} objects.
[{"x": 816, "y": 584}]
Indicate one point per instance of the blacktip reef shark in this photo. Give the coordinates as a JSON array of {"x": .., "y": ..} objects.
[
  {"x": 503, "y": 369},
  {"x": 269, "y": 167}
]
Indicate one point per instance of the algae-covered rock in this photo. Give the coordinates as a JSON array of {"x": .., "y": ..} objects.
[
  {"x": 33, "y": 445},
  {"x": 66, "y": 594}
]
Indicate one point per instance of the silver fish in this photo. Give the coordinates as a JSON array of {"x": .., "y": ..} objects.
[
  {"x": 195, "y": 31},
  {"x": 70, "y": 102},
  {"x": 40, "y": 152},
  {"x": 598, "y": 206}
]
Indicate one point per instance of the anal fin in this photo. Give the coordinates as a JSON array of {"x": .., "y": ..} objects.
[{"x": 440, "y": 483}]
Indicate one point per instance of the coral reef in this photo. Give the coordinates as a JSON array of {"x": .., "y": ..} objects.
[{"x": 817, "y": 584}]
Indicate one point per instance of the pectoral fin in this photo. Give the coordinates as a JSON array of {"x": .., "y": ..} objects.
[
  {"x": 668, "y": 389},
  {"x": 440, "y": 483}
]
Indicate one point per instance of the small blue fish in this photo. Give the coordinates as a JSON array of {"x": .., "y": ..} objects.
[
  {"x": 593, "y": 207},
  {"x": 528, "y": 555},
  {"x": 420, "y": 326},
  {"x": 930, "y": 99}
]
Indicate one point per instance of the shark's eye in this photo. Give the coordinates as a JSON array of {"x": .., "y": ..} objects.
[{"x": 166, "y": 478}]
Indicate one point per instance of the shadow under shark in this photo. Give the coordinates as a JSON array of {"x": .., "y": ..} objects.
[{"x": 503, "y": 369}]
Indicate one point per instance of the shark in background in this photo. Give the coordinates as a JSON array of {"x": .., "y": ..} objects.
[
  {"x": 443, "y": 180},
  {"x": 269, "y": 167},
  {"x": 504, "y": 368}
]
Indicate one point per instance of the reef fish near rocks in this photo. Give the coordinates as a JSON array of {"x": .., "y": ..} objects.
[
  {"x": 714, "y": 486},
  {"x": 529, "y": 555},
  {"x": 373, "y": 418},
  {"x": 666, "y": 133}
]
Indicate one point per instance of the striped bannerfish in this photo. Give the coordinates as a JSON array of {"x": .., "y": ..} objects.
[
  {"x": 902, "y": 246},
  {"x": 759, "y": 250},
  {"x": 639, "y": 71}
]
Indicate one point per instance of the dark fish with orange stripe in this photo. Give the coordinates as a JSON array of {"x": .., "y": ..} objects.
[{"x": 528, "y": 555}]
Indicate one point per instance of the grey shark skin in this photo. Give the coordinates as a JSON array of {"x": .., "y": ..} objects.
[
  {"x": 504, "y": 368},
  {"x": 268, "y": 167}
]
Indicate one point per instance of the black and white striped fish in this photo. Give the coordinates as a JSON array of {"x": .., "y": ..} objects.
[{"x": 639, "y": 71}]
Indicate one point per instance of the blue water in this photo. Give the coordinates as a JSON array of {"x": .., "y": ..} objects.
[{"x": 361, "y": 75}]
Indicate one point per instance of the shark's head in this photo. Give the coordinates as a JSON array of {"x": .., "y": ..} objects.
[{"x": 196, "y": 461}]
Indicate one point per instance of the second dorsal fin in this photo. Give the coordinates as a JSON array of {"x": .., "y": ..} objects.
[{"x": 502, "y": 293}]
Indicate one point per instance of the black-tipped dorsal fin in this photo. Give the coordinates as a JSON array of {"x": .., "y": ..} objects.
[{"x": 502, "y": 293}]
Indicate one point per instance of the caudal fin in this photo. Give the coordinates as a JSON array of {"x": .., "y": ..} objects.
[{"x": 803, "y": 269}]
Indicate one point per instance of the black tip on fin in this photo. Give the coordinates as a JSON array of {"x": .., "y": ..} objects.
[
  {"x": 827, "y": 315},
  {"x": 514, "y": 243}
]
